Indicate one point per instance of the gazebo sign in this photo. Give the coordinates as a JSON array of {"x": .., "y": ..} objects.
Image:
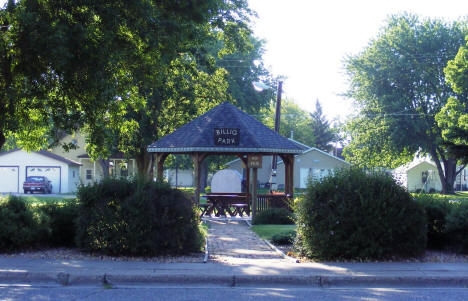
[
  {"x": 254, "y": 161},
  {"x": 226, "y": 136}
]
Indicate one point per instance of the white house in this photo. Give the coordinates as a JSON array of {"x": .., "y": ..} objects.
[
  {"x": 422, "y": 174},
  {"x": 17, "y": 164},
  {"x": 312, "y": 164}
]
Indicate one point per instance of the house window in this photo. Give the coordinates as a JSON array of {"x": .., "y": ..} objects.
[
  {"x": 89, "y": 174},
  {"x": 73, "y": 174}
]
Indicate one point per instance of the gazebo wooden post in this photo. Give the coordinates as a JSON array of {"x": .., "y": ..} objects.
[
  {"x": 160, "y": 158},
  {"x": 291, "y": 176},
  {"x": 247, "y": 175},
  {"x": 254, "y": 192},
  {"x": 197, "y": 159},
  {"x": 288, "y": 174}
]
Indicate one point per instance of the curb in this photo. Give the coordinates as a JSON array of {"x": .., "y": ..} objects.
[{"x": 235, "y": 280}]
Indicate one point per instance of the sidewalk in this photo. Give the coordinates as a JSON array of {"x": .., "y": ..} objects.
[
  {"x": 237, "y": 258},
  {"x": 249, "y": 272}
]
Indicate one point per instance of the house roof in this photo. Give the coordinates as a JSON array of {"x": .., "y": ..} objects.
[
  {"x": 112, "y": 156},
  {"x": 299, "y": 144},
  {"x": 413, "y": 164},
  {"x": 46, "y": 154},
  {"x": 199, "y": 135},
  {"x": 320, "y": 151}
]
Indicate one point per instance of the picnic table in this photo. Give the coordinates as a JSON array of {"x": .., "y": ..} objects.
[{"x": 226, "y": 203}]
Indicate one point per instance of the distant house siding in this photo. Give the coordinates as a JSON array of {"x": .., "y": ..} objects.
[
  {"x": 312, "y": 160},
  {"x": 184, "y": 177},
  {"x": 263, "y": 174},
  {"x": 415, "y": 174}
]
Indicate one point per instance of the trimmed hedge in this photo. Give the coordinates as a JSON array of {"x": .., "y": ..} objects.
[
  {"x": 436, "y": 211},
  {"x": 62, "y": 217},
  {"x": 284, "y": 238},
  {"x": 121, "y": 217},
  {"x": 357, "y": 215},
  {"x": 22, "y": 226},
  {"x": 274, "y": 216},
  {"x": 447, "y": 223},
  {"x": 457, "y": 228}
]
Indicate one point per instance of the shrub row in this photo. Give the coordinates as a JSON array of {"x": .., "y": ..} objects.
[
  {"x": 447, "y": 223},
  {"x": 23, "y": 225},
  {"x": 121, "y": 217},
  {"x": 278, "y": 216},
  {"x": 357, "y": 215}
]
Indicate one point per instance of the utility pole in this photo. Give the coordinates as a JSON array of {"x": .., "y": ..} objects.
[{"x": 274, "y": 163}]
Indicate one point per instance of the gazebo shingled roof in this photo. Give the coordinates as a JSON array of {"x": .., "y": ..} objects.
[
  {"x": 197, "y": 135},
  {"x": 199, "y": 139}
]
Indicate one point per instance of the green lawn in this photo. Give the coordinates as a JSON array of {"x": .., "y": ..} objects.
[
  {"x": 459, "y": 195},
  {"x": 46, "y": 199},
  {"x": 268, "y": 231}
]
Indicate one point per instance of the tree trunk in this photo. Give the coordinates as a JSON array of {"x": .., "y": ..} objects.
[
  {"x": 104, "y": 163},
  {"x": 447, "y": 174},
  {"x": 144, "y": 165},
  {"x": 203, "y": 175},
  {"x": 2, "y": 139}
]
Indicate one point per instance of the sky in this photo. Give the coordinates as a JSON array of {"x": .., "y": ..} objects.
[{"x": 307, "y": 40}]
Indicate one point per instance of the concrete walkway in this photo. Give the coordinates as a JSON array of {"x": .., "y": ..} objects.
[{"x": 231, "y": 241}]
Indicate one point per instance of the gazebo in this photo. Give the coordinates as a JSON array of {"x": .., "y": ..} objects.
[{"x": 226, "y": 130}]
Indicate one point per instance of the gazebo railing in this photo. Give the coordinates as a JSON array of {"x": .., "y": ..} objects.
[{"x": 267, "y": 201}]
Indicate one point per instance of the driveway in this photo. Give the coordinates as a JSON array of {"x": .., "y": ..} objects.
[{"x": 52, "y": 195}]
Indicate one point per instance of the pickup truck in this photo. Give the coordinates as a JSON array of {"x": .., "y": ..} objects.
[{"x": 37, "y": 183}]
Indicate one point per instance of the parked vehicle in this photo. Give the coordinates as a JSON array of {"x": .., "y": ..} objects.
[{"x": 37, "y": 183}]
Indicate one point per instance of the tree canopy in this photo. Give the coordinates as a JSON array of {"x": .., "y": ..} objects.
[
  {"x": 453, "y": 118},
  {"x": 125, "y": 73},
  {"x": 398, "y": 85}
]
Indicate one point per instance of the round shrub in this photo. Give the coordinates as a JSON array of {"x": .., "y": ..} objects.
[
  {"x": 274, "y": 216},
  {"x": 359, "y": 215},
  {"x": 20, "y": 225},
  {"x": 137, "y": 219}
]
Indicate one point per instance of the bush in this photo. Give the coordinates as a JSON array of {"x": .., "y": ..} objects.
[
  {"x": 355, "y": 215},
  {"x": 121, "y": 217},
  {"x": 436, "y": 210},
  {"x": 62, "y": 222},
  {"x": 457, "y": 227},
  {"x": 277, "y": 216},
  {"x": 284, "y": 238},
  {"x": 20, "y": 225}
]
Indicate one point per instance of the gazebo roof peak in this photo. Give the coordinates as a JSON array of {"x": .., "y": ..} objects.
[{"x": 224, "y": 129}]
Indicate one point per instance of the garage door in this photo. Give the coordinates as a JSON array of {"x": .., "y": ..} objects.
[
  {"x": 51, "y": 172},
  {"x": 9, "y": 179}
]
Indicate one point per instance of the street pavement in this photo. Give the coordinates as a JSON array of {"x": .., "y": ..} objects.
[{"x": 80, "y": 293}]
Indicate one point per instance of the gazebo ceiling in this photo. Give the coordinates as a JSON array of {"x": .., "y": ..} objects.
[{"x": 224, "y": 129}]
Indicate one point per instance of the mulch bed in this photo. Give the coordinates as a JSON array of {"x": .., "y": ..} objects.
[{"x": 76, "y": 254}]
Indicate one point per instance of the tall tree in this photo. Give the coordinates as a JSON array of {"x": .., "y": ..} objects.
[
  {"x": 323, "y": 133},
  {"x": 453, "y": 118},
  {"x": 293, "y": 120},
  {"x": 75, "y": 62},
  {"x": 398, "y": 84},
  {"x": 170, "y": 94}
]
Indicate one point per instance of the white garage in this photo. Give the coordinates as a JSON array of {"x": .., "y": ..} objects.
[{"x": 18, "y": 164}]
